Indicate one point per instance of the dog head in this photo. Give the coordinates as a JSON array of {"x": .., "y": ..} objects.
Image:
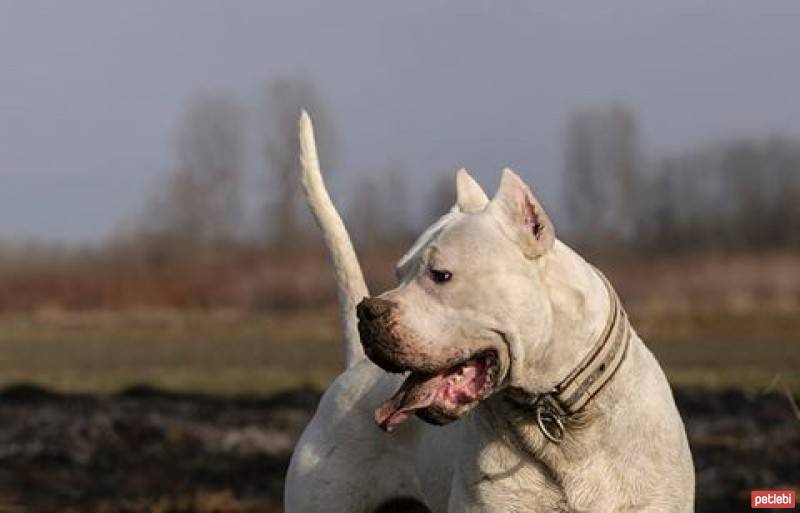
[{"x": 470, "y": 308}]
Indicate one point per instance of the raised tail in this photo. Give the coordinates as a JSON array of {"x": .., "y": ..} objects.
[{"x": 350, "y": 285}]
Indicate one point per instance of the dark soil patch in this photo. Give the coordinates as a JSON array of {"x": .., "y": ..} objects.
[{"x": 146, "y": 450}]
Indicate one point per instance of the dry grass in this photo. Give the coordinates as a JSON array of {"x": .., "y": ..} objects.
[
  {"x": 254, "y": 278},
  {"x": 254, "y": 320},
  {"x": 707, "y": 283},
  {"x": 263, "y": 279},
  {"x": 230, "y": 352},
  {"x": 220, "y": 353}
]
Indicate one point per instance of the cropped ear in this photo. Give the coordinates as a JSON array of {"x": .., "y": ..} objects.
[
  {"x": 522, "y": 217},
  {"x": 470, "y": 196}
]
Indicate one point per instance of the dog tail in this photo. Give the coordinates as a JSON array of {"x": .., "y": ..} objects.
[{"x": 350, "y": 285}]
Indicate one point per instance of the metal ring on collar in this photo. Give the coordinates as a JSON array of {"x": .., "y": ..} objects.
[{"x": 548, "y": 419}]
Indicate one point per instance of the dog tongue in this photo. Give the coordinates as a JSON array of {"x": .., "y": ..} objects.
[{"x": 417, "y": 392}]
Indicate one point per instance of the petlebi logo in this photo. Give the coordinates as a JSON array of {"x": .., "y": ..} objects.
[{"x": 773, "y": 499}]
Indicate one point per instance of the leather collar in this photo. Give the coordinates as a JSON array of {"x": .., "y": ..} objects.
[{"x": 596, "y": 369}]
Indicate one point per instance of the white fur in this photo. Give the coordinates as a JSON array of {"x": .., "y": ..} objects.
[
  {"x": 350, "y": 284},
  {"x": 631, "y": 454}
]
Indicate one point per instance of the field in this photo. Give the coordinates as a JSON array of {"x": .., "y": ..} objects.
[
  {"x": 227, "y": 394},
  {"x": 229, "y": 352},
  {"x": 148, "y": 451}
]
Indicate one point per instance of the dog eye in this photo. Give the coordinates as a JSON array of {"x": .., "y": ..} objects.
[{"x": 440, "y": 276}]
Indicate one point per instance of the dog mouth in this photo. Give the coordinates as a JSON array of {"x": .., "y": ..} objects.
[{"x": 444, "y": 396}]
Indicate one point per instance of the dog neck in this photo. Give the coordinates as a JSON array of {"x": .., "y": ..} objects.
[
  {"x": 589, "y": 332},
  {"x": 579, "y": 303}
]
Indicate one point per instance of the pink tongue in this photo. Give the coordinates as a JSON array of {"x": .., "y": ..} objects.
[
  {"x": 417, "y": 392},
  {"x": 449, "y": 389}
]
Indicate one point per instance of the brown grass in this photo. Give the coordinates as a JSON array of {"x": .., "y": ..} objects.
[
  {"x": 708, "y": 282},
  {"x": 255, "y": 320},
  {"x": 262, "y": 279},
  {"x": 221, "y": 352},
  {"x": 232, "y": 352}
]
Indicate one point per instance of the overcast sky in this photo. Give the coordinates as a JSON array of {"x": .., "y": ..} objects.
[{"x": 91, "y": 92}]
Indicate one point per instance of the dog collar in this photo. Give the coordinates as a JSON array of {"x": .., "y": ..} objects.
[{"x": 595, "y": 370}]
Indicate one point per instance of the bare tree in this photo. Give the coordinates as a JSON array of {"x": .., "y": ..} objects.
[
  {"x": 601, "y": 173},
  {"x": 200, "y": 203},
  {"x": 742, "y": 194},
  {"x": 581, "y": 181},
  {"x": 380, "y": 209},
  {"x": 285, "y": 98},
  {"x": 744, "y": 180},
  {"x": 786, "y": 188}
]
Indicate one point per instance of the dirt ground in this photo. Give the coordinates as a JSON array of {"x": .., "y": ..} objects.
[{"x": 145, "y": 450}]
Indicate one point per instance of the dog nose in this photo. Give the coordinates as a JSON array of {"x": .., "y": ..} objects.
[{"x": 371, "y": 308}]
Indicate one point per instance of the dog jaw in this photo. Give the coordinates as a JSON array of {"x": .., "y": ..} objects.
[
  {"x": 444, "y": 396},
  {"x": 443, "y": 384}
]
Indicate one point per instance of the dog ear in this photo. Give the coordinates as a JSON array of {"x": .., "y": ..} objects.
[
  {"x": 470, "y": 196},
  {"x": 521, "y": 215}
]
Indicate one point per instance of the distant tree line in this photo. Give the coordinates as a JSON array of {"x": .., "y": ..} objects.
[
  {"x": 204, "y": 241},
  {"x": 200, "y": 205},
  {"x": 736, "y": 194},
  {"x": 200, "y": 201}
]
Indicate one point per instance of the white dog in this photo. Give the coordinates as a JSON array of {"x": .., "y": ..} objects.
[{"x": 525, "y": 388}]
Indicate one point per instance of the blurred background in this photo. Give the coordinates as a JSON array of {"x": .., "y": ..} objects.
[{"x": 167, "y": 311}]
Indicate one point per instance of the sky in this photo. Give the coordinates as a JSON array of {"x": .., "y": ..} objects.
[{"x": 91, "y": 92}]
